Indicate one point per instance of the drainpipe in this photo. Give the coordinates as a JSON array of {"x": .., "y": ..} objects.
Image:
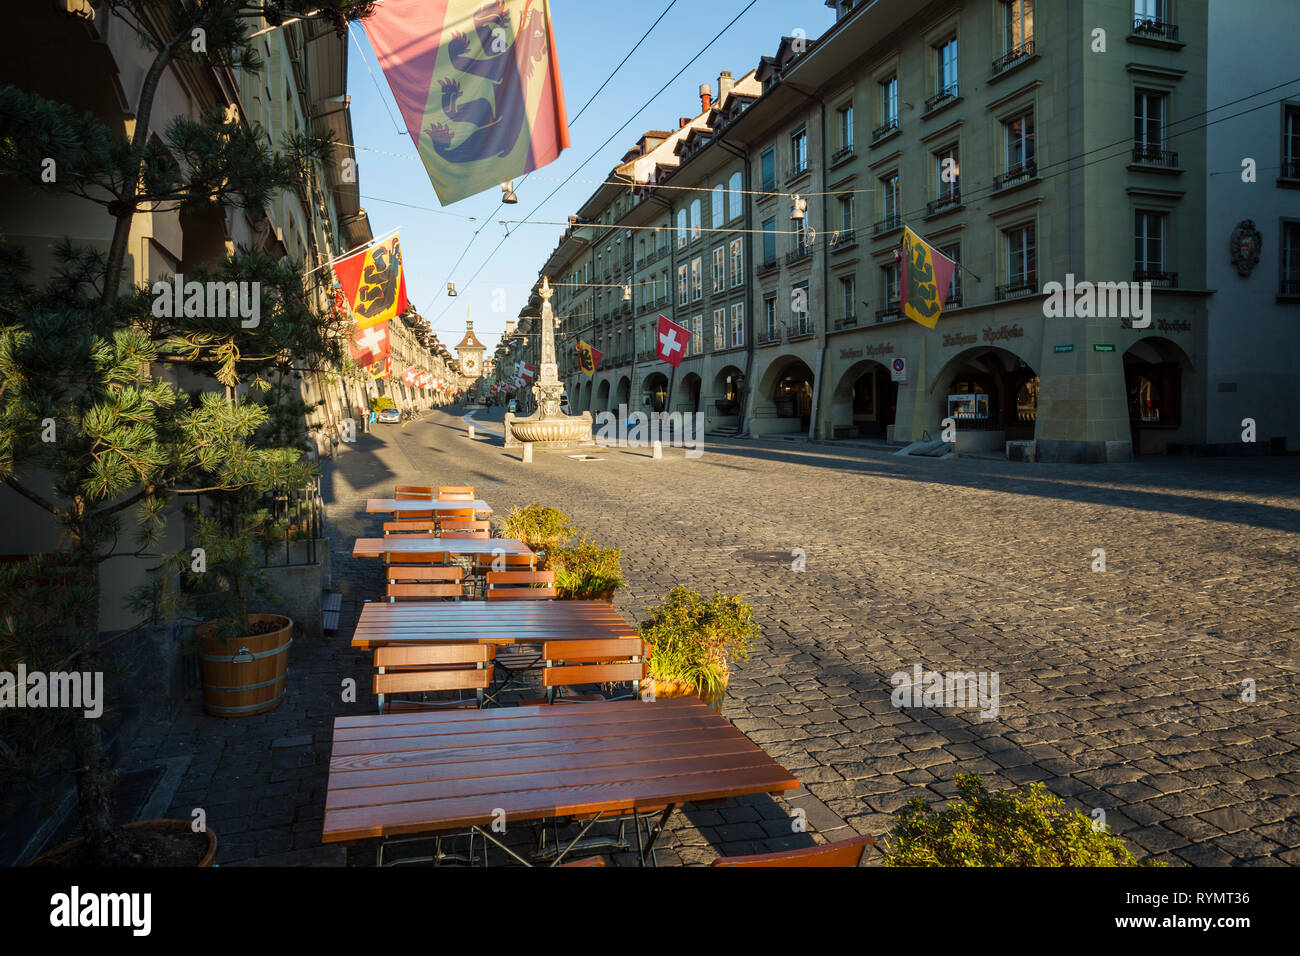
[{"x": 746, "y": 179}]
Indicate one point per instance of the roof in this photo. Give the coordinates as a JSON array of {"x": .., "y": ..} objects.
[{"x": 469, "y": 341}]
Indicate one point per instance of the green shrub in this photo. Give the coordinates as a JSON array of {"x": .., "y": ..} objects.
[
  {"x": 1029, "y": 827},
  {"x": 694, "y": 640},
  {"x": 584, "y": 571},
  {"x": 539, "y": 526}
]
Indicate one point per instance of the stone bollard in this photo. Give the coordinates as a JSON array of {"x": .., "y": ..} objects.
[
  {"x": 528, "y": 453},
  {"x": 658, "y": 451}
]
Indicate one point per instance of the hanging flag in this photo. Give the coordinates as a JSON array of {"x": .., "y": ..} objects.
[
  {"x": 478, "y": 85},
  {"x": 588, "y": 359},
  {"x": 671, "y": 341},
  {"x": 381, "y": 370},
  {"x": 923, "y": 284},
  {"x": 373, "y": 282},
  {"x": 370, "y": 345}
]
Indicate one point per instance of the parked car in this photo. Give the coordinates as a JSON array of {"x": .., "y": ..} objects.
[
  {"x": 512, "y": 406},
  {"x": 390, "y": 416}
]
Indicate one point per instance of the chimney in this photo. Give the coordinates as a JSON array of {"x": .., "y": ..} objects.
[
  {"x": 725, "y": 84},
  {"x": 706, "y": 97},
  {"x": 510, "y": 327},
  {"x": 682, "y": 121}
]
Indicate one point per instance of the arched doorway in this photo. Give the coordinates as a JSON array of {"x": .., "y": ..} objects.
[
  {"x": 687, "y": 398},
  {"x": 602, "y": 395},
  {"x": 654, "y": 393},
  {"x": 992, "y": 394},
  {"x": 1156, "y": 372},
  {"x": 865, "y": 402},
  {"x": 792, "y": 393},
  {"x": 623, "y": 395}
]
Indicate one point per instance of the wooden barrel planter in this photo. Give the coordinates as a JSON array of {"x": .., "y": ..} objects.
[
  {"x": 669, "y": 689},
  {"x": 247, "y": 675}
]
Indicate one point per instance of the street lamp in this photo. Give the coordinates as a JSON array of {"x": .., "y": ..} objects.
[
  {"x": 800, "y": 207},
  {"x": 508, "y": 196}
]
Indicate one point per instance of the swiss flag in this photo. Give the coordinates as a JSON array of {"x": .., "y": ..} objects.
[
  {"x": 369, "y": 345},
  {"x": 671, "y": 341}
]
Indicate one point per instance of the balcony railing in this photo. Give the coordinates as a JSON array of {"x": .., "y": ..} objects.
[
  {"x": 1158, "y": 278},
  {"x": 1290, "y": 169},
  {"x": 1154, "y": 156},
  {"x": 948, "y": 201},
  {"x": 1020, "y": 173},
  {"x": 844, "y": 152},
  {"x": 889, "y": 311},
  {"x": 1015, "y": 54},
  {"x": 795, "y": 171},
  {"x": 767, "y": 265},
  {"x": 767, "y": 336},
  {"x": 846, "y": 322},
  {"x": 798, "y": 254},
  {"x": 943, "y": 96},
  {"x": 1018, "y": 288},
  {"x": 1159, "y": 29},
  {"x": 843, "y": 238},
  {"x": 892, "y": 221},
  {"x": 884, "y": 129}
]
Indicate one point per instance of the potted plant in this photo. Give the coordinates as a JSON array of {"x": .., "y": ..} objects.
[
  {"x": 541, "y": 527},
  {"x": 585, "y": 572},
  {"x": 694, "y": 640},
  {"x": 1029, "y": 827}
]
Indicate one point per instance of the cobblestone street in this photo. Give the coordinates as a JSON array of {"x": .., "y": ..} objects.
[{"x": 1120, "y": 690}]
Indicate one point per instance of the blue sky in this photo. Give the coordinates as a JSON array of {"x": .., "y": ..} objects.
[{"x": 591, "y": 38}]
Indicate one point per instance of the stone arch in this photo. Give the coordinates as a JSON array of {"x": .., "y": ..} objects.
[
  {"x": 655, "y": 388},
  {"x": 622, "y": 395},
  {"x": 1003, "y": 402},
  {"x": 602, "y": 395},
  {"x": 865, "y": 401},
  {"x": 687, "y": 394},
  {"x": 782, "y": 399},
  {"x": 1159, "y": 384}
]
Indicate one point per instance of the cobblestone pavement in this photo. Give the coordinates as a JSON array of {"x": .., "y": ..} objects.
[{"x": 1120, "y": 690}]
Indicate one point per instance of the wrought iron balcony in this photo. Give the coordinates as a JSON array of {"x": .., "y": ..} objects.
[
  {"x": 1290, "y": 169},
  {"x": 892, "y": 310},
  {"x": 1154, "y": 156},
  {"x": 842, "y": 238},
  {"x": 943, "y": 96},
  {"x": 846, "y": 322},
  {"x": 1020, "y": 173},
  {"x": 949, "y": 200},
  {"x": 1159, "y": 29},
  {"x": 767, "y": 265},
  {"x": 884, "y": 129},
  {"x": 1158, "y": 279},
  {"x": 1028, "y": 285},
  {"x": 798, "y": 254},
  {"x": 892, "y": 221},
  {"x": 844, "y": 152},
  {"x": 795, "y": 171},
  {"x": 1014, "y": 55}
]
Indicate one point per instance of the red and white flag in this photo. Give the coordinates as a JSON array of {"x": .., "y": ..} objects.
[
  {"x": 370, "y": 345},
  {"x": 671, "y": 341}
]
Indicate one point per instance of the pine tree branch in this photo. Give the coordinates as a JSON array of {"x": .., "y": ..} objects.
[
  {"x": 35, "y": 498},
  {"x": 123, "y": 505}
]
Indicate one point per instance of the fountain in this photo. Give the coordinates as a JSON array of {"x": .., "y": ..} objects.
[{"x": 547, "y": 427}]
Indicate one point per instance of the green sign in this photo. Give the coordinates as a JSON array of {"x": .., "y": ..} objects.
[
  {"x": 1063, "y": 348},
  {"x": 1103, "y": 348}
]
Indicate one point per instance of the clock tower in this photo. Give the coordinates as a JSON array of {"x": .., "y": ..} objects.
[{"x": 469, "y": 353}]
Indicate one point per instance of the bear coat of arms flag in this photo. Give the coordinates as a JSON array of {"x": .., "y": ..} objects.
[
  {"x": 478, "y": 86},
  {"x": 373, "y": 282},
  {"x": 925, "y": 274},
  {"x": 588, "y": 359}
]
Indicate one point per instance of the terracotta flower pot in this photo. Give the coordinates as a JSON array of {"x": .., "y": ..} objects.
[
  {"x": 670, "y": 689},
  {"x": 207, "y": 859}
]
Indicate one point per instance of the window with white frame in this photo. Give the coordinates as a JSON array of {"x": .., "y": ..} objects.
[
  {"x": 889, "y": 103},
  {"x": 945, "y": 68},
  {"x": 769, "y": 317},
  {"x": 737, "y": 262},
  {"x": 719, "y": 197},
  {"x": 719, "y": 329},
  {"x": 719, "y": 269},
  {"x": 1017, "y": 24},
  {"x": 848, "y": 296},
  {"x": 737, "y": 325},
  {"x": 1150, "y": 10},
  {"x": 799, "y": 150},
  {"x": 953, "y": 252},
  {"x": 889, "y": 200},
  {"x": 697, "y": 279},
  {"x": 681, "y": 228},
  {"x": 695, "y": 219},
  {"x": 1019, "y": 134},
  {"x": 1291, "y": 142},
  {"x": 735, "y": 197},
  {"x": 697, "y": 335},
  {"x": 799, "y": 301},
  {"x": 1149, "y": 121},
  {"x": 947, "y": 171},
  {"x": 844, "y": 116},
  {"x": 889, "y": 285},
  {"x": 1148, "y": 244},
  {"x": 845, "y": 206},
  {"x": 1021, "y": 255},
  {"x": 683, "y": 293}
]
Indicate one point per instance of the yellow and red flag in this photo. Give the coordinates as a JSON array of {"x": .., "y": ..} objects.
[
  {"x": 478, "y": 85},
  {"x": 588, "y": 358},
  {"x": 373, "y": 282},
  {"x": 925, "y": 276}
]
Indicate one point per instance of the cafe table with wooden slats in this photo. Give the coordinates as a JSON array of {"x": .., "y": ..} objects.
[
  {"x": 405, "y": 506},
  {"x": 486, "y": 622},
  {"x": 448, "y": 771},
  {"x": 412, "y": 544}
]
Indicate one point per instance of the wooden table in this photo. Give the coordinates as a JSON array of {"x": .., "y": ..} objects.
[
  {"x": 455, "y": 770},
  {"x": 402, "y": 506},
  {"x": 409, "y": 544},
  {"x": 486, "y": 622}
]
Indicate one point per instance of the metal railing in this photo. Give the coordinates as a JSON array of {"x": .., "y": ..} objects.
[
  {"x": 943, "y": 96},
  {"x": 892, "y": 221},
  {"x": 1020, "y": 173},
  {"x": 1159, "y": 279},
  {"x": 846, "y": 322},
  {"x": 842, "y": 153},
  {"x": 949, "y": 201},
  {"x": 1154, "y": 156},
  {"x": 1028, "y": 285},
  {"x": 1013, "y": 55},
  {"x": 884, "y": 129},
  {"x": 1146, "y": 27}
]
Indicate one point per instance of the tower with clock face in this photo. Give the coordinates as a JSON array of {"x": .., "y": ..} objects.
[{"x": 469, "y": 353}]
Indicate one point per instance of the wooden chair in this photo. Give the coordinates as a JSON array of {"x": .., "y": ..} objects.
[
  {"x": 424, "y": 582},
  {"x": 589, "y": 861},
  {"x": 412, "y": 493},
  {"x": 459, "y": 524},
  {"x": 603, "y": 661},
  {"x": 424, "y": 527},
  {"x": 844, "y": 853},
  {"x": 457, "y": 514},
  {"x": 433, "y": 558},
  {"x": 456, "y": 493},
  {"x": 520, "y": 585},
  {"x": 429, "y": 668}
]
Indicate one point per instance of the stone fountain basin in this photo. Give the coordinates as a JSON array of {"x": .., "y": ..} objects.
[{"x": 552, "y": 429}]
